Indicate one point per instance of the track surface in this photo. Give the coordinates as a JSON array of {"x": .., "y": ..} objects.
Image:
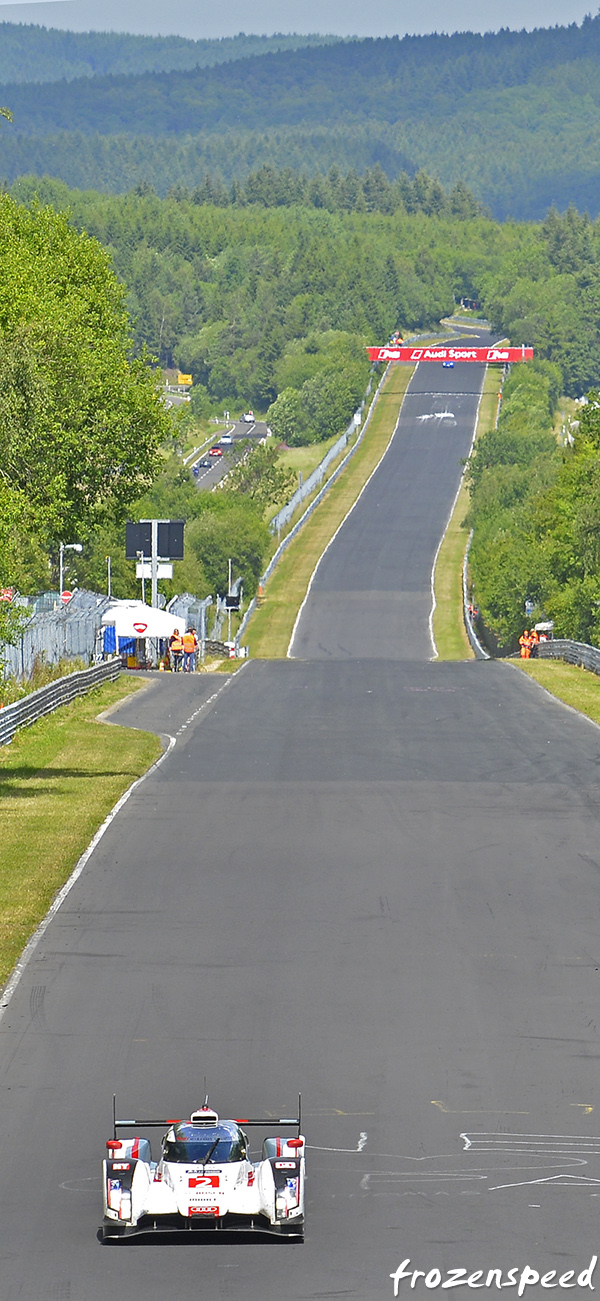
[
  {"x": 371, "y": 594},
  {"x": 375, "y": 880}
]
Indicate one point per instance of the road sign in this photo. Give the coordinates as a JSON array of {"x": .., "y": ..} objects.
[
  {"x": 481, "y": 355},
  {"x": 66, "y": 597},
  {"x": 6, "y": 593},
  {"x": 140, "y": 628},
  {"x": 163, "y": 569},
  {"x": 138, "y": 538}
]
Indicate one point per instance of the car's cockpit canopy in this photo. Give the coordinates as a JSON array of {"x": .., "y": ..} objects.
[{"x": 204, "y": 1145}]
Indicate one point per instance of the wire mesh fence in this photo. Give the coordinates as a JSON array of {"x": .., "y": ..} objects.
[{"x": 64, "y": 632}]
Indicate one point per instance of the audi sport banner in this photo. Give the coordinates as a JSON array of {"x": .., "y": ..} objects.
[{"x": 485, "y": 355}]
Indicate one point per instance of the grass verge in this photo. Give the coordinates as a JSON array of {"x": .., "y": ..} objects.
[
  {"x": 269, "y": 631},
  {"x": 448, "y": 623},
  {"x": 572, "y": 685},
  {"x": 58, "y": 780}
]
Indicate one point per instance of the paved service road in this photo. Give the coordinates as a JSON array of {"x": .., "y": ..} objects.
[
  {"x": 376, "y": 880},
  {"x": 239, "y": 430}
]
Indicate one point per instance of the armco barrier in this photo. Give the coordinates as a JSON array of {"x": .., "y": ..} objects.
[
  {"x": 574, "y": 652},
  {"x": 480, "y": 653},
  {"x": 42, "y": 702}
]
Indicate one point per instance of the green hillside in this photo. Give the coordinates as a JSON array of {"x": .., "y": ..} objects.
[
  {"x": 515, "y": 115},
  {"x": 40, "y": 54}
]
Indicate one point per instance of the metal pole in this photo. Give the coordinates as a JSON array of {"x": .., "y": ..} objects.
[
  {"x": 143, "y": 582},
  {"x": 109, "y": 593},
  {"x": 61, "y": 566},
  {"x": 229, "y": 609},
  {"x": 154, "y": 599}
]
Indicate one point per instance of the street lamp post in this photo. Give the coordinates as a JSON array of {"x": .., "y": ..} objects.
[{"x": 65, "y": 546}]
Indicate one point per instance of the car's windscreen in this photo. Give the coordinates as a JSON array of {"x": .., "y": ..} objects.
[{"x": 205, "y": 1149}]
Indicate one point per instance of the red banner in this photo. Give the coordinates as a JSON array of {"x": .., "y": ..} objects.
[{"x": 454, "y": 354}]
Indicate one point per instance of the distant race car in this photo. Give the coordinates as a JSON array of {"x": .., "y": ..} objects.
[
  {"x": 226, "y": 440},
  {"x": 248, "y": 417},
  {"x": 204, "y": 1180},
  {"x": 215, "y": 451},
  {"x": 448, "y": 364},
  {"x": 205, "y": 464}
]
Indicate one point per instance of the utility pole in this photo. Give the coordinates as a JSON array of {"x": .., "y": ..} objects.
[
  {"x": 154, "y": 597},
  {"x": 109, "y": 582},
  {"x": 228, "y": 605},
  {"x": 141, "y": 558},
  {"x": 65, "y": 546}
]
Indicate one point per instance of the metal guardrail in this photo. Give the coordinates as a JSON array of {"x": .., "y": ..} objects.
[
  {"x": 39, "y": 703},
  {"x": 574, "y": 652},
  {"x": 480, "y": 653}
]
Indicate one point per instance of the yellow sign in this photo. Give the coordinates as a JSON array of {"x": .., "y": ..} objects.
[{"x": 185, "y": 379}]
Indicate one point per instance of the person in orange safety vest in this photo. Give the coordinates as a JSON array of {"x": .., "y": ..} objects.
[
  {"x": 176, "y": 650},
  {"x": 525, "y": 645},
  {"x": 190, "y": 646}
]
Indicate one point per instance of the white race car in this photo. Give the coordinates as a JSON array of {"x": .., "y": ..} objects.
[{"x": 204, "y": 1179}]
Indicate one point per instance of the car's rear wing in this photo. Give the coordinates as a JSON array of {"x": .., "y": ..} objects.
[{"x": 266, "y": 1122}]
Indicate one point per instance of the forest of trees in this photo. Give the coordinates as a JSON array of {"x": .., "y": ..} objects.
[
  {"x": 269, "y": 299},
  {"x": 512, "y": 114},
  {"x": 30, "y": 53},
  {"x": 535, "y": 511}
]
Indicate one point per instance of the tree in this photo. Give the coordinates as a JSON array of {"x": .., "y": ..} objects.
[
  {"x": 81, "y": 422},
  {"x": 258, "y": 476}
]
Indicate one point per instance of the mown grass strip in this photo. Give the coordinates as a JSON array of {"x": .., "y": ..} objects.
[
  {"x": 448, "y": 624},
  {"x": 572, "y": 685},
  {"x": 270, "y": 628},
  {"x": 58, "y": 781}
]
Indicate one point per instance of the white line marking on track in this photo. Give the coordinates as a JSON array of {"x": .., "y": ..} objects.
[
  {"x": 346, "y": 516},
  {"x": 435, "y": 655},
  {"x": 59, "y": 899}
]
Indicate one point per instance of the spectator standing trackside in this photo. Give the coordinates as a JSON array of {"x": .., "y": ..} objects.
[
  {"x": 176, "y": 650},
  {"x": 190, "y": 646}
]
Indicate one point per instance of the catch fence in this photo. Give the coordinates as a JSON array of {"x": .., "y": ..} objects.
[{"x": 73, "y": 631}]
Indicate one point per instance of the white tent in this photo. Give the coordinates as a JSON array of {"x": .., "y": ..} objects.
[{"x": 134, "y": 619}]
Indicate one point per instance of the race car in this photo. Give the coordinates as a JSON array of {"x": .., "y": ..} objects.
[{"x": 204, "y": 1179}]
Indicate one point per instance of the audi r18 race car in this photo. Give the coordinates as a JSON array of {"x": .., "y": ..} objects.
[{"x": 204, "y": 1178}]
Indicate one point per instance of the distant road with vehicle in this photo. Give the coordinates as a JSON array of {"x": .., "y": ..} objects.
[
  {"x": 359, "y": 874},
  {"x": 209, "y": 469}
]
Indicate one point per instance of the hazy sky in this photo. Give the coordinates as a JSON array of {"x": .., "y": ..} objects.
[{"x": 199, "y": 18}]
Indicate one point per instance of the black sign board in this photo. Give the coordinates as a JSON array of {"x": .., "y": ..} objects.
[
  {"x": 138, "y": 537},
  {"x": 170, "y": 539},
  {"x": 232, "y": 602}
]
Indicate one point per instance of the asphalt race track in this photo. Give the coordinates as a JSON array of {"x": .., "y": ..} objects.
[
  {"x": 371, "y": 595},
  {"x": 370, "y": 877}
]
